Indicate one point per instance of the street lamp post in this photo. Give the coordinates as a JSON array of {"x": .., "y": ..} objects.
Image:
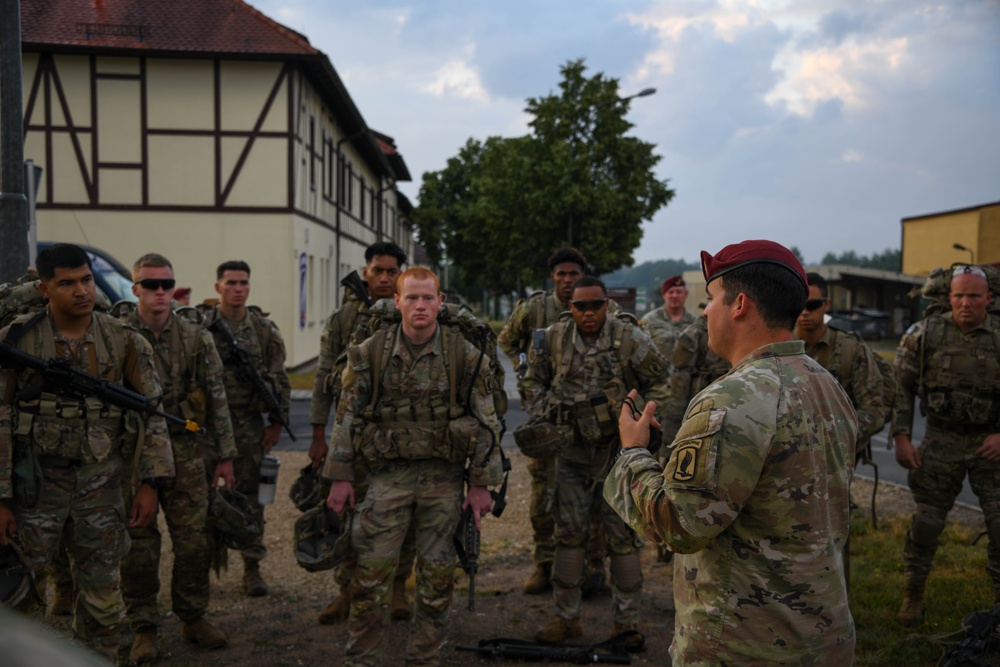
[
  {"x": 972, "y": 255},
  {"x": 645, "y": 92}
]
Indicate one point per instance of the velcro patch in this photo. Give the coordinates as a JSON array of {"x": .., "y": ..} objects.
[{"x": 695, "y": 452}]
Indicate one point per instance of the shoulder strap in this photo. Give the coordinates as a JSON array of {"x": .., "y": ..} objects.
[
  {"x": 379, "y": 342},
  {"x": 18, "y": 329}
]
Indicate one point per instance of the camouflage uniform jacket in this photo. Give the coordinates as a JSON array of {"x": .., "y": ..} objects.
[
  {"x": 755, "y": 499},
  {"x": 538, "y": 311},
  {"x": 693, "y": 367},
  {"x": 262, "y": 339},
  {"x": 956, "y": 375},
  {"x": 398, "y": 426},
  {"x": 190, "y": 371},
  {"x": 575, "y": 382},
  {"x": 114, "y": 352},
  {"x": 664, "y": 330},
  {"x": 852, "y": 362},
  {"x": 351, "y": 317}
]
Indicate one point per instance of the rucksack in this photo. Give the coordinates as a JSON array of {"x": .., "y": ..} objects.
[
  {"x": 937, "y": 289},
  {"x": 23, "y": 297}
]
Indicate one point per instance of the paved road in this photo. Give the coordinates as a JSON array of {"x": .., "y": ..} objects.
[{"x": 888, "y": 469}]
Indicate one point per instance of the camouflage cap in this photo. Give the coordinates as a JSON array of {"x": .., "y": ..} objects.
[
  {"x": 322, "y": 539},
  {"x": 539, "y": 439},
  {"x": 231, "y": 516}
]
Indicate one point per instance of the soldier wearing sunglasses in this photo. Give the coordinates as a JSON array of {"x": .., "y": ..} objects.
[{"x": 579, "y": 374}]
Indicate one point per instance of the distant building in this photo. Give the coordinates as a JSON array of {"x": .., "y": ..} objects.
[
  {"x": 206, "y": 131},
  {"x": 929, "y": 240}
]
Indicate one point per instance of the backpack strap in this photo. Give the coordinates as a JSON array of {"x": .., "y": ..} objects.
[{"x": 18, "y": 329}]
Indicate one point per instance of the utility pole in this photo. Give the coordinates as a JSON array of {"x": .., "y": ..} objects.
[{"x": 13, "y": 202}]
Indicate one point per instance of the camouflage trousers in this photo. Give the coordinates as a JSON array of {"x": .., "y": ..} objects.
[
  {"x": 579, "y": 493},
  {"x": 945, "y": 459},
  {"x": 345, "y": 572},
  {"x": 248, "y": 429},
  {"x": 427, "y": 494},
  {"x": 542, "y": 511},
  {"x": 184, "y": 500},
  {"x": 84, "y": 502}
]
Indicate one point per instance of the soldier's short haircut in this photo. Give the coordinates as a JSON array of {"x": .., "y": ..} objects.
[
  {"x": 151, "y": 259},
  {"x": 817, "y": 280},
  {"x": 590, "y": 281},
  {"x": 61, "y": 256},
  {"x": 776, "y": 291},
  {"x": 563, "y": 255},
  {"x": 385, "y": 248},
  {"x": 417, "y": 273},
  {"x": 232, "y": 265}
]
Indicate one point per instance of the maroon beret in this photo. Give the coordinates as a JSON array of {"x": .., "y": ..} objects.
[
  {"x": 672, "y": 281},
  {"x": 751, "y": 252},
  {"x": 181, "y": 292}
]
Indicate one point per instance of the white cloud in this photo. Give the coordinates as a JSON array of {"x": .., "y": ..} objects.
[
  {"x": 457, "y": 78},
  {"x": 851, "y": 155}
]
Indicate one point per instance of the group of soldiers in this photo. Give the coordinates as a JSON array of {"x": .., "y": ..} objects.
[
  {"x": 415, "y": 442},
  {"x": 83, "y": 477}
]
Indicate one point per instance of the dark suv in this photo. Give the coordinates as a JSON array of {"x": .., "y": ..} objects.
[{"x": 111, "y": 276}]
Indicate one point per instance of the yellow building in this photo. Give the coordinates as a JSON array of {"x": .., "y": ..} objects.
[
  {"x": 929, "y": 240},
  {"x": 205, "y": 131}
]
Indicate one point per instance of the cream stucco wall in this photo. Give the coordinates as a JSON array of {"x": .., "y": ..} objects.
[{"x": 927, "y": 242}]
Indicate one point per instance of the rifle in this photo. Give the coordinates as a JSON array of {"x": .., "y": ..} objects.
[
  {"x": 979, "y": 627},
  {"x": 610, "y": 651},
  {"x": 240, "y": 357},
  {"x": 467, "y": 542},
  {"x": 68, "y": 381}
]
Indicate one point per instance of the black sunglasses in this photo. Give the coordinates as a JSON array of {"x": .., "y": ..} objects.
[
  {"x": 813, "y": 304},
  {"x": 153, "y": 284},
  {"x": 594, "y": 305}
]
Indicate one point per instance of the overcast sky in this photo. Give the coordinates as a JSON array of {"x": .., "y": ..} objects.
[{"x": 816, "y": 123}]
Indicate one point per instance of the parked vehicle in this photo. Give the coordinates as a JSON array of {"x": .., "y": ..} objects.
[
  {"x": 868, "y": 323},
  {"x": 112, "y": 277}
]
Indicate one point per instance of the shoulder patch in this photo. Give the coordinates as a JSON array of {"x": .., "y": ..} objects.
[
  {"x": 693, "y": 461},
  {"x": 357, "y": 359}
]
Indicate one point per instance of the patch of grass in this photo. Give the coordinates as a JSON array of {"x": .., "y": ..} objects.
[
  {"x": 304, "y": 380},
  {"x": 958, "y": 586}
]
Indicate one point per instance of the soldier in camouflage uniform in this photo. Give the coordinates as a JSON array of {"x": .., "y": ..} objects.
[
  {"x": 579, "y": 376},
  {"x": 539, "y": 311},
  {"x": 951, "y": 360},
  {"x": 755, "y": 497},
  {"x": 348, "y": 325},
  {"x": 190, "y": 372},
  {"x": 402, "y": 414},
  {"x": 665, "y": 325},
  {"x": 693, "y": 366},
  {"x": 262, "y": 340},
  {"x": 81, "y": 446}
]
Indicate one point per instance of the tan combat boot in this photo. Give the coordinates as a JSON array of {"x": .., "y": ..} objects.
[
  {"x": 634, "y": 643},
  {"x": 540, "y": 580},
  {"x": 559, "y": 630},
  {"x": 402, "y": 610},
  {"x": 144, "y": 646},
  {"x": 911, "y": 612},
  {"x": 253, "y": 583},
  {"x": 204, "y": 634},
  {"x": 338, "y": 610}
]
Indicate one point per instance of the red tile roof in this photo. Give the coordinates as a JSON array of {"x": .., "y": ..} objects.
[{"x": 201, "y": 26}]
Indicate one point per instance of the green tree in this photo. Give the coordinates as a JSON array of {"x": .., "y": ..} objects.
[
  {"x": 888, "y": 260},
  {"x": 500, "y": 207}
]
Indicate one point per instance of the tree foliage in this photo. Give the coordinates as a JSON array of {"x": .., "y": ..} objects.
[
  {"x": 500, "y": 207},
  {"x": 888, "y": 260}
]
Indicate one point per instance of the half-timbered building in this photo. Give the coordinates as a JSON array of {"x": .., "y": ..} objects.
[{"x": 206, "y": 131}]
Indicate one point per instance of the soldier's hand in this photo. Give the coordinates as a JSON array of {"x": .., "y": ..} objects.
[
  {"x": 991, "y": 448},
  {"x": 8, "y": 524},
  {"x": 143, "y": 507},
  {"x": 318, "y": 448},
  {"x": 272, "y": 433},
  {"x": 633, "y": 426},
  {"x": 341, "y": 494},
  {"x": 906, "y": 454},
  {"x": 224, "y": 471},
  {"x": 481, "y": 502}
]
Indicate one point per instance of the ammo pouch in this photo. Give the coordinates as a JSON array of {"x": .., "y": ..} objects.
[
  {"x": 540, "y": 439},
  {"x": 451, "y": 439},
  {"x": 593, "y": 418},
  {"x": 962, "y": 408}
]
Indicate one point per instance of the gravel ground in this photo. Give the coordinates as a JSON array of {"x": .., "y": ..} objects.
[{"x": 281, "y": 629}]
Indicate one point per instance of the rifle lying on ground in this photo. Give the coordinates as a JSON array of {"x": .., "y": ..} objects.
[
  {"x": 467, "y": 542},
  {"x": 611, "y": 651},
  {"x": 64, "y": 380},
  {"x": 247, "y": 371},
  {"x": 979, "y": 627}
]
